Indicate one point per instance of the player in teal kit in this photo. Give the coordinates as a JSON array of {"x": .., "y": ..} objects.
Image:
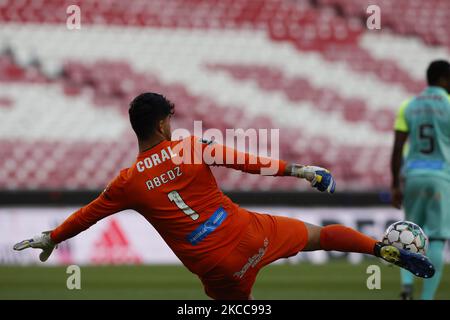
[{"x": 425, "y": 122}]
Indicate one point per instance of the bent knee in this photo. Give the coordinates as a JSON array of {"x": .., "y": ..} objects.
[{"x": 313, "y": 237}]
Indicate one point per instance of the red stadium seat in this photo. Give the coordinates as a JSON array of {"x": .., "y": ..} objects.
[{"x": 316, "y": 34}]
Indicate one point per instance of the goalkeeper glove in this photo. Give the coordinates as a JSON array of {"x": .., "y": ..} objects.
[
  {"x": 42, "y": 241},
  {"x": 320, "y": 178}
]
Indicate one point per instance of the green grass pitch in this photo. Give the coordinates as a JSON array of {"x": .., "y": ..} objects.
[{"x": 336, "y": 280}]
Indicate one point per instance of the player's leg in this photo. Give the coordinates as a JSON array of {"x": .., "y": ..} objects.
[
  {"x": 436, "y": 255},
  {"x": 437, "y": 225},
  {"x": 344, "y": 239},
  {"x": 338, "y": 238},
  {"x": 415, "y": 211},
  {"x": 407, "y": 283}
]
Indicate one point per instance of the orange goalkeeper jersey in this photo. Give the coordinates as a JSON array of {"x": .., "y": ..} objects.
[{"x": 173, "y": 187}]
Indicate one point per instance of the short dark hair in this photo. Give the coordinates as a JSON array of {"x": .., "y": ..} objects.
[
  {"x": 146, "y": 110},
  {"x": 438, "y": 69}
]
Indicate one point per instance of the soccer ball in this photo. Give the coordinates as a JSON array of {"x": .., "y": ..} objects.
[{"x": 406, "y": 235}]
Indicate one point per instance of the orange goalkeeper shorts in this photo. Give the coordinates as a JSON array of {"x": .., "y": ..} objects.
[{"x": 267, "y": 238}]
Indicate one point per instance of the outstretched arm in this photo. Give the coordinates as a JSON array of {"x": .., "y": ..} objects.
[
  {"x": 110, "y": 201},
  {"x": 220, "y": 155},
  {"x": 84, "y": 218}
]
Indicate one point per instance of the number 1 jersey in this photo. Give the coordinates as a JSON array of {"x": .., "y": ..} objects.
[{"x": 172, "y": 186}]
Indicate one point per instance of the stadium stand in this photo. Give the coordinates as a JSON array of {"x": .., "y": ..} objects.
[{"x": 310, "y": 68}]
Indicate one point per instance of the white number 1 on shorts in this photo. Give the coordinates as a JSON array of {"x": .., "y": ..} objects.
[{"x": 175, "y": 197}]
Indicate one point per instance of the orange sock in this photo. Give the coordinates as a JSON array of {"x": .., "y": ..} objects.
[{"x": 340, "y": 238}]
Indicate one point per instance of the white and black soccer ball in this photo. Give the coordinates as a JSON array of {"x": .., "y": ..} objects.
[{"x": 406, "y": 235}]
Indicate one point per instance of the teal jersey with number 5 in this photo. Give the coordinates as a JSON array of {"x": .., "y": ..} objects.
[{"x": 426, "y": 119}]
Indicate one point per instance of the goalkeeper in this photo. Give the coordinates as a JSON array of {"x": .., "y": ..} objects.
[
  {"x": 171, "y": 185},
  {"x": 425, "y": 122}
]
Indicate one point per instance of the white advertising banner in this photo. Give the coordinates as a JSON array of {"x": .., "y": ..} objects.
[{"x": 127, "y": 238}]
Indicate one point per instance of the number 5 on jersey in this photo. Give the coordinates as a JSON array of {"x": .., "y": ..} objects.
[{"x": 174, "y": 196}]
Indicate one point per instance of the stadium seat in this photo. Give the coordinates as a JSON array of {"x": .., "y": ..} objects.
[{"x": 309, "y": 68}]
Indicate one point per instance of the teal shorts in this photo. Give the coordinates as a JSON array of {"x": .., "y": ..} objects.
[{"x": 427, "y": 203}]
